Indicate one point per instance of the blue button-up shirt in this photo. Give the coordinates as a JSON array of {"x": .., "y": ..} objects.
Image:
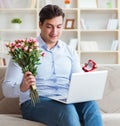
[{"x": 53, "y": 74}]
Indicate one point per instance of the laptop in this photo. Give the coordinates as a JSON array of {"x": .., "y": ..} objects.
[{"x": 84, "y": 86}]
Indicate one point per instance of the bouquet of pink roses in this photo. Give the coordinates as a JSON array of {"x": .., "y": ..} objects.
[{"x": 27, "y": 54}]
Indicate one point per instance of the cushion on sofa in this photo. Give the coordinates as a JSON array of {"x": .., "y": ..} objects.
[
  {"x": 16, "y": 120},
  {"x": 111, "y": 99},
  {"x": 111, "y": 119}
]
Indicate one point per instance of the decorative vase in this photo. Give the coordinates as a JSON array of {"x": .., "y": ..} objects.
[{"x": 15, "y": 26}]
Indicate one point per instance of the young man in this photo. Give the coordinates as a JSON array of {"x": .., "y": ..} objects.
[{"x": 53, "y": 76}]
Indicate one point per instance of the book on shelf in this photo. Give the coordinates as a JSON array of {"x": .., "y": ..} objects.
[
  {"x": 73, "y": 43},
  {"x": 88, "y": 46},
  {"x": 2, "y": 62},
  {"x": 82, "y": 24},
  {"x": 112, "y": 24},
  {"x": 114, "y": 45},
  {"x": 88, "y": 3}
]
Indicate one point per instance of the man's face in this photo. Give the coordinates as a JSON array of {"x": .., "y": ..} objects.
[{"x": 51, "y": 29}]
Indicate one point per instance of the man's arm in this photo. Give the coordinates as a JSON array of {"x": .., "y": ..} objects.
[{"x": 13, "y": 79}]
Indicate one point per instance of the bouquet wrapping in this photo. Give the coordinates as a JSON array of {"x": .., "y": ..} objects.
[{"x": 26, "y": 53}]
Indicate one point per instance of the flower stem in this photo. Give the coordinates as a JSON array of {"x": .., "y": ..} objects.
[{"x": 34, "y": 95}]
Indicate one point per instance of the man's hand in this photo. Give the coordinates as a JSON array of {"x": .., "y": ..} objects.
[{"x": 28, "y": 80}]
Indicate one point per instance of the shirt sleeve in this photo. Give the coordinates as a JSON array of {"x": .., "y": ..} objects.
[
  {"x": 76, "y": 67},
  {"x": 13, "y": 79}
]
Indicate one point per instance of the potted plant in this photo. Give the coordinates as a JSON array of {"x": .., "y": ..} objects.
[
  {"x": 16, "y": 23},
  {"x": 67, "y": 3}
]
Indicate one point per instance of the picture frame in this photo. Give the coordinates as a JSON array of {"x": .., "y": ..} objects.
[{"x": 69, "y": 24}]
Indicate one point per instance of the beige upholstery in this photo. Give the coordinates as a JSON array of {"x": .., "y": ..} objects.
[
  {"x": 111, "y": 100},
  {"x": 16, "y": 120},
  {"x": 110, "y": 104},
  {"x": 10, "y": 114}
]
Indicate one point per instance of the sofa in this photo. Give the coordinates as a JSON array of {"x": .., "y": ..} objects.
[{"x": 10, "y": 113}]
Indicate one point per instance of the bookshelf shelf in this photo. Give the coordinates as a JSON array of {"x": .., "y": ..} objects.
[
  {"x": 99, "y": 30},
  {"x": 18, "y": 9},
  {"x": 102, "y": 52},
  {"x": 99, "y": 9},
  {"x": 18, "y": 30},
  {"x": 95, "y": 20}
]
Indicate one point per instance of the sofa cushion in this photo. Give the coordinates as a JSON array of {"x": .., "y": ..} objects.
[
  {"x": 111, "y": 99},
  {"x": 16, "y": 120},
  {"x": 9, "y": 106},
  {"x": 111, "y": 119}
]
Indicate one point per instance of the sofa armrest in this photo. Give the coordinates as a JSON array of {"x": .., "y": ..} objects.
[{"x": 7, "y": 105}]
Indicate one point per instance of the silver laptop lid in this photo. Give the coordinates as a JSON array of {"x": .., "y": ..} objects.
[{"x": 87, "y": 86}]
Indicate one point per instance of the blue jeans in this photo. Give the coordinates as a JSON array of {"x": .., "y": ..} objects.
[{"x": 53, "y": 113}]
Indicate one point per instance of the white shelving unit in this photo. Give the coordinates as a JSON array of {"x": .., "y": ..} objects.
[
  {"x": 95, "y": 18},
  {"x": 96, "y": 30},
  {"x": 28, "y": 28}
]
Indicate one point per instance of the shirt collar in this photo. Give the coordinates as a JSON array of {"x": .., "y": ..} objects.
[{"x": 43, "y": 44}]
